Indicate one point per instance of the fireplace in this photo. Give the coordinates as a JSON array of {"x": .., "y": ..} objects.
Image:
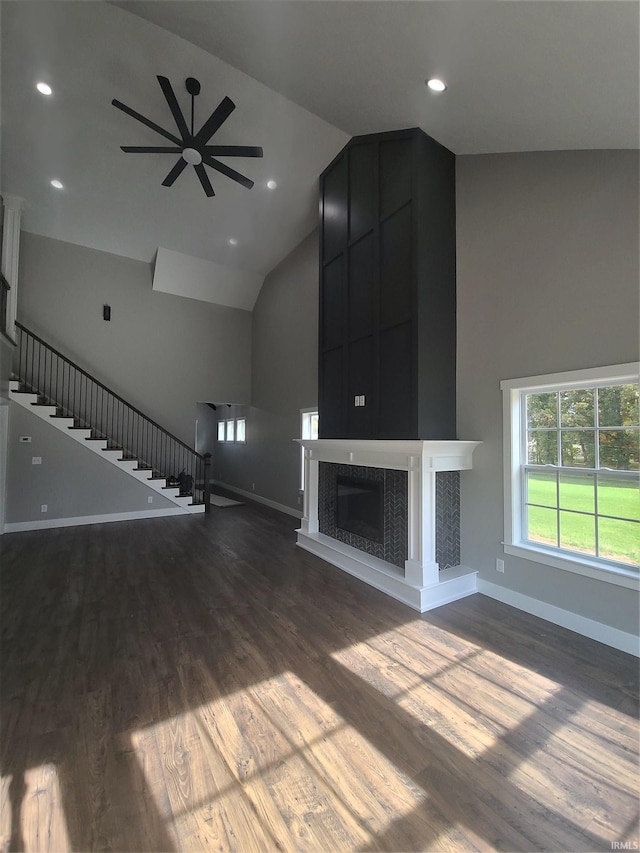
[
  {"x": 388, "y": 513},
  {"x": 381, "y": 495},
  {"x": 359, "y": 507}
]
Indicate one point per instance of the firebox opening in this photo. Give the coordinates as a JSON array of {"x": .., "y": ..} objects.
[{"x": 360, "y": 507}]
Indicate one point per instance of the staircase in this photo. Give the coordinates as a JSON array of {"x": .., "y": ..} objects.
[{"x": 64, "y": 395}]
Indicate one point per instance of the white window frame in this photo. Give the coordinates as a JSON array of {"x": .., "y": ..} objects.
[
  {"x": 305, "y": 433},
  {"x": 222, "y": 430},
  {"x": 514, "y": 423},
  {"x": 242, "y": 421},
  {"x": 230, "y": 433}
]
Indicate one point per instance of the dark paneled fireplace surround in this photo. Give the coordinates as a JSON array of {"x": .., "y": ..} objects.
[{"x": 387, "y": 372}]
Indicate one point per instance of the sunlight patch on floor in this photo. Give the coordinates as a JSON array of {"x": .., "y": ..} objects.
[
  {"x": 272, "y": 765},
  {"x": 447, "y": 682},
  {"x": 42, "y": 824},
  {"x": 5, "y": 812}
]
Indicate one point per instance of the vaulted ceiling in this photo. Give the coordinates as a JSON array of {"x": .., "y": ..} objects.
[{"x": 305, "y": 76}]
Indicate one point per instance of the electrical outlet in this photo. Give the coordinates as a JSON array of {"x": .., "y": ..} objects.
[
  {"x": 150, "y": 499},
  {"x": 36, "y": 460},
  {"x": 44, "y": 508},
  {"x": 500, "y": 566},
  {"x": 25, "y": 438}
]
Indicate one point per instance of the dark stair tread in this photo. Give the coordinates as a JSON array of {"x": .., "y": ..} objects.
[{"x": 59, "y": 414}]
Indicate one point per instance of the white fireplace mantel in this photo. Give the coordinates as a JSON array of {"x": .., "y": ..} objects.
[{"x": 422, "y": 585}]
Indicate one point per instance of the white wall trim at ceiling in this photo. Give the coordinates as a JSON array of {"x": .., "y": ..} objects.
[
  {"x": 197, "y": 278},
  {"x": 50, "y": 523},
  {"x": 621, "y": 640}
]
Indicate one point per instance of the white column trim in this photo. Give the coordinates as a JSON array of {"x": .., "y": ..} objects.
[
  {"x": 310, "y": 521},
  {"x": 421, "y": 568}
]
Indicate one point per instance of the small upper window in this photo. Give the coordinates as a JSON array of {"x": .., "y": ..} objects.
[
  {"x": 221, "y": 430},
  {"x": 241, "y": 425}
]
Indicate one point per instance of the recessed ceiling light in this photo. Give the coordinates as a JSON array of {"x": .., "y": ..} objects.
[
  {"x": 272, "y": 185},
  {"x": 436, "y": 84},
  {"x": 57, "y": 184},
  {"x": 233, "y": 241},
  {"x": 44, "y": 88}
]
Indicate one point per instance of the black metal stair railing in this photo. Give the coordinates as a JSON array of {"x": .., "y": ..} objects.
[{"x": 76, "y": 394}]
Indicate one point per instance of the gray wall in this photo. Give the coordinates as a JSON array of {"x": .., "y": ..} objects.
[
  {"x": 207, "y": 429},
  {"x": 162, "y": 353},
  {"x": 547, "y": 281},
  {"x": 284, "y": 369},
  {"x": 72, "y": 480}
]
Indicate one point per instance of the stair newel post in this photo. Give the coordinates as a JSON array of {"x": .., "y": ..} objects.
[{"x": 207, "y": 485}]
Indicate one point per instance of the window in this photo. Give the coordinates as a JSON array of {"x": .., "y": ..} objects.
[
  {"x": 309, "y": 430},
  {"x": 572, "y": 469},
  {"x": 233, "y": 429}
]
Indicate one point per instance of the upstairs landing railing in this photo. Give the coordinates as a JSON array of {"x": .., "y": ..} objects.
[
  {"x": 4, "y": 301},
  {"x": 60, "y": 382}
]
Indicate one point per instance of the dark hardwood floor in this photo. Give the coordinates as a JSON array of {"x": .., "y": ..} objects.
[{"x": 202, "y": 684}]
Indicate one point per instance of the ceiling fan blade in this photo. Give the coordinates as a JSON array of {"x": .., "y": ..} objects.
[
  {"x": 174, "y": 106},
  {"x": 217, "y": 117},
  {"x": 177, "y": 170},
  {"x": 234, "y": 150},
  {"x": 150, "y": 149},
  {"x": 148, "y": 122},
  {"x": 226, "y": 170},
  {"x": 204, "y": 180}
]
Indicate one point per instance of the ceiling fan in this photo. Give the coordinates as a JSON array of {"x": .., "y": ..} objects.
[{"x": 193, "y": 148}]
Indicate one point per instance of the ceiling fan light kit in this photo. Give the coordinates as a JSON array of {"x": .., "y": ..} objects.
[{"x": 192, "y": 147}]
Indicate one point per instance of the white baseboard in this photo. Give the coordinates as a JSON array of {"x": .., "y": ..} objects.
[
  {"x": 452, "y": 584},
  {"x": 20, "y": 526},
  {"x": 251, "y": 496},
  {"x": 621, "y": 640}
]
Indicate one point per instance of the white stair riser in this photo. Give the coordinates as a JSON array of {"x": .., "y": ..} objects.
[
  {"x": 128, "y": 465},
  {"x": 142, "y": 475},
  {"x": 64, "y": 422},
  {"x": 112, "y": 455},
  {"x": 43, "y": 412},
  {"x": 98, "y": 446},
  {"x": 79, "y": 434}
]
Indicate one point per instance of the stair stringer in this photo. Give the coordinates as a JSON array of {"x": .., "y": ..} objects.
[{"x": 82, "y": 436}]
